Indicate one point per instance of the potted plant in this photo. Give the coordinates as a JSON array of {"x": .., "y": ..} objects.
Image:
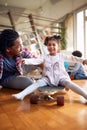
[{"x": 63, "y": 41}]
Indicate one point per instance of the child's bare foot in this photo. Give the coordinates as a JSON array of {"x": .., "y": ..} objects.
[
  {"x": 72, "y": 77},
  {"x": 67, "y": 89}
]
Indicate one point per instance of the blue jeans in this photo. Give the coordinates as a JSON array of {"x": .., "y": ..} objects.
[{"x": 80, "y": 76}]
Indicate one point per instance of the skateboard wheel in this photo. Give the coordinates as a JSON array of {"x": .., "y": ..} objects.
[
  {"x": 60, "y": 100},
  {"x": 34, "y": 98}
]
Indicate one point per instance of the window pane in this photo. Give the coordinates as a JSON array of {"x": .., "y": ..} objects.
[
  {"x": 86, "y": 13},
  {"x": 80, "y": 32},
  {"x": 86, "y": 37}
]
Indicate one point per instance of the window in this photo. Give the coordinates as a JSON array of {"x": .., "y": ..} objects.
[
  {"x": 81, "y": 31},
  {"x": 86, "y": 31}
]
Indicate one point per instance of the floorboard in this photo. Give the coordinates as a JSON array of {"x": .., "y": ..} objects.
[{"x": 21, "y": 115}]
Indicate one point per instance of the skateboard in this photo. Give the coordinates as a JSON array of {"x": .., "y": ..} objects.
[{"x": 46, "y": 94}]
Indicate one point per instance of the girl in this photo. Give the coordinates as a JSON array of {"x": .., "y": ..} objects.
[{"x": 54, "y": 72}]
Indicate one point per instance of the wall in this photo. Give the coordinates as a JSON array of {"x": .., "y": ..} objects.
[{"x": 69, "y": 32}]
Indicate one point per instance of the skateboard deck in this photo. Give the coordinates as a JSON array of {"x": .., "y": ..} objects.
[{"x": 52, "y": 90}]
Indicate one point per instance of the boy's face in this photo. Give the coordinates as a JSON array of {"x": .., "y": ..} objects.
[{"x": 52, "y": 47}]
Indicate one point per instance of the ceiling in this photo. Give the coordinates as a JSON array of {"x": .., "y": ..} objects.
[
  {"x": 29, "y": 4},
  {"x": 47, "y": 11}
]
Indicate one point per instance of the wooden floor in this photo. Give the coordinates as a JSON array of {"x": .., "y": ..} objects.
[{"x": 21, "y": 115}]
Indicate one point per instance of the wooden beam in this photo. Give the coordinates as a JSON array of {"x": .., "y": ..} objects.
[
  {"x": 5, "y": 26},
  {"x": 32, "y": 24},
  {"x": 11, "y": 20},
  {"x": 45, "y": 17}
]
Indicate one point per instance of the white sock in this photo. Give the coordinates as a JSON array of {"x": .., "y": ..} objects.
[
  {"x": 25, "y": 92},
  {"x": 18, "y": 96},
  {"x": 1, "y": 87}
]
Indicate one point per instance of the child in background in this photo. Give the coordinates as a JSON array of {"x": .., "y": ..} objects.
[
  {"x": 77, "y": 71},
  {"x": 54, "y": 72}
]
